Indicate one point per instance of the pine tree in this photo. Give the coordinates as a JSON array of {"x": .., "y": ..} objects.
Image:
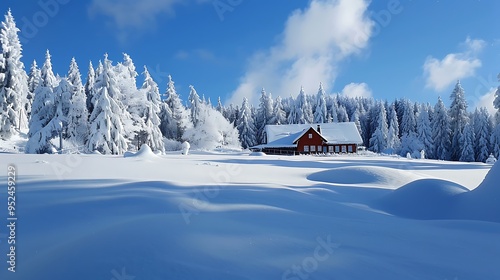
[
  {"x": 153, "y": 108},
  {"x": 44, "y": 124},
  {"x": 246, "y": 126},
  {"x": 264, "y": 114},
  {"x": 482, "y": 132},
  {"x": 108, "y": 115},
  {"x": 106, "y": 126},
  {"x": 293, "y": 114},
  {"x": 441, "y": 132},
  {"x": 130, "y": 98},
  {"x": 467, "y": 143},
  {"x": 393, "y": 141},
  {"x": 89, "y": 88},
  {"x": 342, "y": 115},
  {"x": 34, "y": 78},
  {"x": 220, "y": 108},
  {"x": 78, "y": 125},
  {"x": 424, "y": 131},
  {"x": 495, "y": 141},
  {"x": 496, "y": 104},
  {"x": 458, "y": 119},
  {"x": 212, "y": 130},
  {"x": 408, "y": 121},
  {"x": 194, "y": 105},
  {"x": 279, "y": 114},
  {"x": 304, "y": 110},
  {"x": 378, "y": 141},
  {"x": 181, "y": 119},
  {"x": 14, "y": 105},
  {"x": 320, "y": 114}
]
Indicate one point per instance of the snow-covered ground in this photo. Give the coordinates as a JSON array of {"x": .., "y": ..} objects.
[{"x": 235, "y": 216}]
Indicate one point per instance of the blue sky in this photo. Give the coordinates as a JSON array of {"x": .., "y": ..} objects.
[{"x": 232, "y": 48}]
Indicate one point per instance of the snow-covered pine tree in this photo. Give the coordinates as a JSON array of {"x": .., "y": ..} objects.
[
  {"x": 63, "y": 92},
  {"x": 130, "y": 98},
  {"x": 181, "y": 119},
  {"x": 467, "y": 143},
  {"x": 220, "y": 108},
  {"x": 393, "y": 141},
  {"x": 279, "y": 115},
  {"x": 496, "y": 105},
  {"x": 333, "y": 111},
  {"x": 408, "y": 121},
  {"x": 342, "y": 115},
  {"x": 34, "y": 78},
  {"x": 304, "y": 109},
  {"x": 106, "y": 127},
  {"x": 89, "y": 88},
  {"x": 44, "y": 124},
  {"x": 320, "y": 114},
  {"x": 264, "y": 114},
  {"x": 108, "y": 115},
  {"x": 482, "y": 133},
  {"x": 14, "y": 105},
  {"x": 495, "y": 141},
  {"x": 293, "y": 114},
  {"x": 212, "y": 130},
  {"x": 458, "y": 119},
  {"x": 424, "y": 131},
  {"x": 441, "y": 132},
  {"x": 378, "y": 141},
  {"x": 246, "y": 126},
  {"x": 194, "y": 105},
  {"x": 151, "y": 115},
  {"x": 78, "y": 115}
]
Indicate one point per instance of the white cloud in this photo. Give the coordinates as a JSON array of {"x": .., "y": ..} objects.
[
  {"x": 357, "y": 90},
  {"x": 487, "y": 101},
  {"x": 131, "y": 14},
  {"x": 440, "y": 74},
  {"x": 314, "y": 40}
]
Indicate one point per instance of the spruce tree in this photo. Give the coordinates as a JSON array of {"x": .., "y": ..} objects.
[
  {"x": 246, "y": 126},
  {"x": 458, "y": 120},
  {"x": 78, "y": 115},
  {"x": 441, "y": 132},
  {"x": 14, "y": 105}
]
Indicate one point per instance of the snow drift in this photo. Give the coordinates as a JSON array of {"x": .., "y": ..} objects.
[
  {"x": 422, "y": 199},
  {"x": 144, "y": 153},
  {"x": 365, "y": 176},
  {"x": 432, "y": 199},
  {"x": 483, "y": 203}
]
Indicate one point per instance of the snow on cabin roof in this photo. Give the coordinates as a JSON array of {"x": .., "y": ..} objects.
[{"x": 335, "y": 133}]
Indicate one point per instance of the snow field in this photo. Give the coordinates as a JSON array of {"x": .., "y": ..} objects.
[{"x": 234, "y": 216}]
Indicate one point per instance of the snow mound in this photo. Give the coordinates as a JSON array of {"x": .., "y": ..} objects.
[
  {"x": 364, "y": 175},
  {"x": 422, "y": 199},
  {"x": 257, "y": 154},
  {"x": 144, "y": 153},
  {"x": 483, "y": 203}
]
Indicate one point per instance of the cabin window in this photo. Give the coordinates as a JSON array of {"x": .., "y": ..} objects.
[
  {"x": 313, "y": 148},
  {"x": 337, "y": 149},
  {"x": 349, "y": 148},
  {"x": 344, "y": 149},
  {"x": 306, "y": 148},
  {"x": 310, "y": 136},
  {"x": 330, "y": 149},
  {"x": 320, "y": 148}
]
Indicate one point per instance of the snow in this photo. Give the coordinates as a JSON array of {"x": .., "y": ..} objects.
[
  {"x": 144, "y": 153},
  {"x": 231, "y": 216}
]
